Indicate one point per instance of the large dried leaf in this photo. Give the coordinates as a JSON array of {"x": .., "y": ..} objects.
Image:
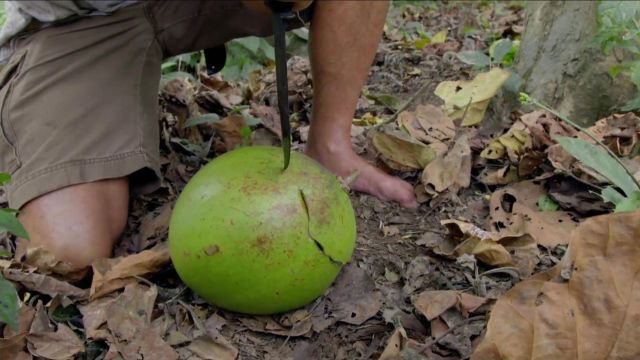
[
  {"x": 475, "y": 241},
  {"x": 45, "y": 284},
  {"x": 213, "y": 348},
  {"x": 469, "y": 99},
  {"x": 153, "y": 225},
  {"x": 402, "y": 153},
  {"x": 593, "y": 315},
  {"x": 113, "y": 274},
  {"x": 493, "y": 249},
  {"x": 353, "y": 299},
  {"x": 449, "y": 171},
  {"x": 14, "y": 342},
  {"x": 230, "y": 129},
  {"x": 433, "y": 303},
  {"x": 395, "y": 344},
  {"x": 514, "y": 212},
  {"x": 427, "y": 124},
  {"x": 61, "y": 344},
  {"x": 94, "y": 317}
]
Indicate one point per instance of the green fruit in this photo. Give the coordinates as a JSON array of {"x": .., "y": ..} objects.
[{"x": 252, "y": 238}]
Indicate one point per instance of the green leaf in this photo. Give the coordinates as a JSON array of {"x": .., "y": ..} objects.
[
  {"x": 545, "y": 203},
  {"x": 630, "y": 203},
  {"x": 514, "y": 83},
  {"x": 600, "y": 161},
  {"x": 251, "y": 43},
  {"x": 390, "y": 101},
  {"x": 5, "y": 253},
  {"x": 499, "y": 49},
  {"x": 614, "y": 70},
  {"x": 9, "y": 304},
  {"x": 474, "y": 58},
  {"x": 633, "y": 104},
  {"x": 4, "y": 178},
  {"x": 251, "y": 120},
  {"x": 9, "y": 222},
  {"x": 202, "y": 119},
  {"x": 422, "y": 42},
  {"x": 610, "y": 194}
]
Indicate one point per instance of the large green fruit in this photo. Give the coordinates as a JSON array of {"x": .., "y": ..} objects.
[{"x": 252, "y": 238}]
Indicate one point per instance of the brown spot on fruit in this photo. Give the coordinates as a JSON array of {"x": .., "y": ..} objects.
[
  {"x": 262, "y": 244},
  {"x": 211, "y": 250},
  {"x": 187, "y": 253}
]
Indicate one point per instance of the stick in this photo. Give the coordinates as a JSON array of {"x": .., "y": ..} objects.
[{"x": 405, "y": 105}]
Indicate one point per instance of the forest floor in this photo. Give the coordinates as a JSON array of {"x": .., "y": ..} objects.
[{"x": 414, "y": 285}]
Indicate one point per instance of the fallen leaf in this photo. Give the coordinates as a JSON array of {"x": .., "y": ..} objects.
[
  {"x": 61, "y": 344},
  {"x": 153, "y": 225},
  {"x": 577, "y": 196},
  {"x": 130, "y": 313},
  {"x": 213, "y": 348},
  {"x": 402, "y": 153},
  {"x": 45, "y": 284},
  {"x": 470, "y": 99},
  {"x": 514, "y": 212},
  {"x": 395, "y": 344},
  {"x": 44, "y": 340},
  {"x": 590, "y": 316},
  {"x": 14, "y": 342},
  {"x": 437, "y": 126},
  {"x": 94, "y": 317},
  {"x": 46, "y": 262},
  {"x": 266, "y": 324},
  {"x": 451, "y": 171},
  {"x": 480, "y": 243},
  {"x": 269, "y": 117},
  {"x": 503, "y": 176},
  {"x": 113, "y": 274},
  {"x": 353, "y": 299},
  {"x": 230, "y": 129}
]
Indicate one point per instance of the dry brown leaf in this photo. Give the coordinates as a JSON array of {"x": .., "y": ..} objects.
[
  {"x": 402, "y": 153},
  {"x": 45, "y": 284},
  {"x": 475, "y": 241},
  {"x": 593, "y": 315},
  {"x": 449, "y": 171},
  {"x": 130, "y": 313},
  {"x": 152, "y": 225},
  {"x": 94, "y": 316},
  {"x": 514, "y": 212},
  {"x": 13, "y": 343},
  {"x": 269, "y": 117},
  {"x": 46, "y": 262},
  {"x": 428, "y": 124},
  {"x": 266, "y": 324},
  {"x": 213, "y": 348},
  {"x": 395, "y": 344},
  {"x": 503, "y": 176},
  {"x": 113, "y": 274},
  {"x": 229, "y": 129},
  {"x": 61, "y": 344},
  {"x": 433, "y": 303},
  {"x": 148, "y": 345},
  {"x": 544, "y": 127},
  {"x": 353, "y": 299}
]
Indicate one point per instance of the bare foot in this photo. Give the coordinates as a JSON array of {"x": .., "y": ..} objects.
[{"x": 370, "y": 179}]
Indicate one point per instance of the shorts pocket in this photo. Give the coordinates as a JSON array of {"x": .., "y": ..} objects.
[{"x": 9, "y": 161}]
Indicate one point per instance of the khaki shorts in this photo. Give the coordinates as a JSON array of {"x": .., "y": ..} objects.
[{"x": 78, "y": 101}]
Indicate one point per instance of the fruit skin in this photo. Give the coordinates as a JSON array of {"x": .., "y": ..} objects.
[{"x": 241, "y": 238}]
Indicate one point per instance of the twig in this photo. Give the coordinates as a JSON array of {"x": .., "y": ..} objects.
[
  {"x": 405, "y": 105},
  {"x": 586, "y": 132},
  {"x": 452, "y": 329}
]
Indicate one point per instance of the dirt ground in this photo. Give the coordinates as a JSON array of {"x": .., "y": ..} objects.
[{"x": 394, "y": 260}]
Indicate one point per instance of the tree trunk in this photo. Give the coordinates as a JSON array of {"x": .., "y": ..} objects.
[{"x": 562, "y": 67}]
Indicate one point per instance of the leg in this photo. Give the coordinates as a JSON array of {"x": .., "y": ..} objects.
[
  {"x": 77, "y": 139},
  {"x": 78, "y": 223},
  {"x": 344, "y": 38}
]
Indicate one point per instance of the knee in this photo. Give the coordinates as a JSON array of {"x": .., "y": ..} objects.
[{"x": 80, "y": 223}]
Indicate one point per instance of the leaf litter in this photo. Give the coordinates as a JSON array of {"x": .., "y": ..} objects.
[{"x": 422, "y": 283}]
